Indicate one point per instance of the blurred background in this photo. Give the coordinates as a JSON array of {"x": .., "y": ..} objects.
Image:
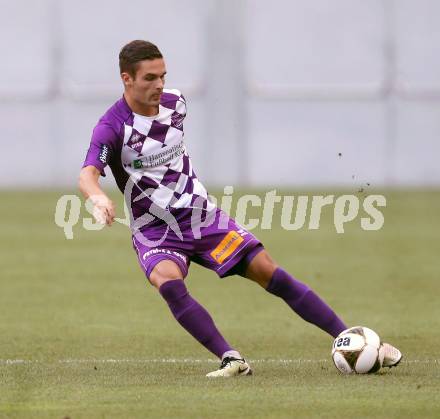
[{"x": 286, "y": 92}]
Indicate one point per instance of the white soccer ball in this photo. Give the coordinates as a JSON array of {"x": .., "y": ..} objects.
[{"x": 357, "y": 350}]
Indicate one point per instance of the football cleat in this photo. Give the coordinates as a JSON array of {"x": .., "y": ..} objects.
[
  {"x": 391, "y": 355},
  {"x": 231, "y": 367}
]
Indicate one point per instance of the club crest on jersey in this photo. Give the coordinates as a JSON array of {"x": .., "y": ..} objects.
[
  {"x": 227, "y": 246},
  {"x": 177, "y": 120},
  {"x": 136, "y": 141},
  {"x": 103, "y": 154}
]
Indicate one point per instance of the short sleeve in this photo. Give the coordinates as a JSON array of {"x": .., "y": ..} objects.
[
  {"x": 102, "y": 147},
  {"x": 181, "y": 105}
]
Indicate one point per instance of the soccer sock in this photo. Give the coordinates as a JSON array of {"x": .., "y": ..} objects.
[
  {"x": 231, "y": 354},
  {"x": 193, "y": 317},
  {"x": 305, "y": 302}
]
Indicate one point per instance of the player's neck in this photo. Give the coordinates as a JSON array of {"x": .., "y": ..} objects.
[{"x": 141, "y": 108}]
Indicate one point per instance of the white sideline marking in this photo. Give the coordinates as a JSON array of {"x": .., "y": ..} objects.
[{"x": 185, "y": 361}]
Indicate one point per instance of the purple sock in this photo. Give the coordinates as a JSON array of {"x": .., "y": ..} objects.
[
  {"x": 305, "y": 302},
  {"x": 193, "y": 317}
]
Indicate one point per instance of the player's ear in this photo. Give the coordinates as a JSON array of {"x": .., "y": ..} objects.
[{"x": 126, "y": 79}]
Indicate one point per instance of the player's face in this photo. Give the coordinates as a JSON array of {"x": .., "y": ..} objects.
[{"x": 147, "y": 85}]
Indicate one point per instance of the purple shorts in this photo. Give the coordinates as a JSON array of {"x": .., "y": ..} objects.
[{"x": 221, "y": 245}]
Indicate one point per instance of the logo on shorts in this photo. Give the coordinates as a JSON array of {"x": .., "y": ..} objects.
[
  {"x": 225, "y": 248},
  {"x": 103, "y": 154},
  {"x": 164, "y": 252}
]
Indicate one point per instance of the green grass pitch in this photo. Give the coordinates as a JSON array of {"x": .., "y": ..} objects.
[{"x": 82, "y": 336}]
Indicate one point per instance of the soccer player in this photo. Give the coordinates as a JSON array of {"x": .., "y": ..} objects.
[{"x": 173, "y": 221}]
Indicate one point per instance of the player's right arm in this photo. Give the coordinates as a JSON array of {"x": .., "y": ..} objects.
[
  {"x": 103, "y": 207},
  {"x": 101, "y": 150}
]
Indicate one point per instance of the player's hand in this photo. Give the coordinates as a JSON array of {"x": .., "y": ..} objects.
[{"x": 103, "y": 209}]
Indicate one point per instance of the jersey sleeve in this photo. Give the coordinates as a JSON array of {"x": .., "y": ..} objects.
[
  {"x": 102, "y": 147},
  {"x": 181, "y": 106}
]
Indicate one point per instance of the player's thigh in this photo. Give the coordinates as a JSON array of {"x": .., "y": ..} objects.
[
  {"x": 165, "y": 270},
  {"x": 261, "y": 269},
  {"x": 160, "y": 264},
  {"x": 222, "y": 245}
]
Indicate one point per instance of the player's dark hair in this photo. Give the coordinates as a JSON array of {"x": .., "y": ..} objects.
[{"x": 134, "y": 52}]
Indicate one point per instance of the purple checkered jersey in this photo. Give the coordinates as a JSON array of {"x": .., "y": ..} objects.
[{"x": 150, "y": 152}]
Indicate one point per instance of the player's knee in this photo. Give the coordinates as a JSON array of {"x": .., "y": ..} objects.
[
  {"x": 261, "y": 269},
  {"x": 164, "y": 271}
]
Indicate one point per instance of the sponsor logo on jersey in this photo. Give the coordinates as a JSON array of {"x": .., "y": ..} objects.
[
  {"x": 137, "y": 164},
  {"x": 103, "y": 154},
  {"x": 159, "y": 159},
  {"x": 227, "y": 246}
]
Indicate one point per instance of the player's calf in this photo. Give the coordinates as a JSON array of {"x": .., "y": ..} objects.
[
  {"x": 193, "y": 317},
  {"x": 305, "y": 302}
]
